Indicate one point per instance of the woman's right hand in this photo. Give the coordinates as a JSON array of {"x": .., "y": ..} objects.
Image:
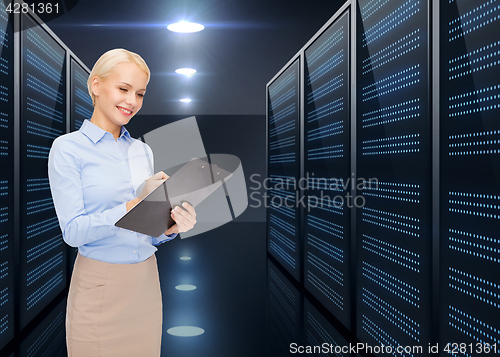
[
  {"x": 147, "y": 186},
  {"x": 151, "y": 183}
]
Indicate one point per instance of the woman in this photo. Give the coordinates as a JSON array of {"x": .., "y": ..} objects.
[{"x": 114, "y": 302}]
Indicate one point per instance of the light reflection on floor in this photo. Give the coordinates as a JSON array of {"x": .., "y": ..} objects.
[{"x": 242, "y": 306}]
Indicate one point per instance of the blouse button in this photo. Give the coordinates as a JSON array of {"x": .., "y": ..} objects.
[
  {"x": 133, "y": 251},
  {"x": 123, "y": 163}
]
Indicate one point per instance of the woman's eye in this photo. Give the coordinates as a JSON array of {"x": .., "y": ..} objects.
[
  {"x": 123, "y": 89},
  {"x": 141, "y": 95}
]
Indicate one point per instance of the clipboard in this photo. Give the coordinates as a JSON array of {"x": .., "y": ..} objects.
[{"x": 192, "y": 183}]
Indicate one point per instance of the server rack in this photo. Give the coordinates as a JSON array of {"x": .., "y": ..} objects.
[
  {"x": 81, "y": 101},
  {"x": 43, "y": 118},
  {"x": 394, "y": 143},
  {"x": 470, "y": 175},
  {"x": 423, "y": 124},
  {"x": 81, "y": 108},
  {"x": 34, "y": 109},
  {"x": 327, "y": 165},
  {"x": 283, "y": 169},
  {"x": 7, "y": 271}
]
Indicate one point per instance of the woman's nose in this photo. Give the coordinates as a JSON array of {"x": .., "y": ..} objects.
[{"x": 131, "y": 100}]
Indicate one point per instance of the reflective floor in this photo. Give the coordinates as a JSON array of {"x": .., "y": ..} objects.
[{"x": 221, "y": 288}]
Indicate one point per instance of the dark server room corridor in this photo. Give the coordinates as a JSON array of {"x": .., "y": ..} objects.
[{"x": 342, "y": 159}]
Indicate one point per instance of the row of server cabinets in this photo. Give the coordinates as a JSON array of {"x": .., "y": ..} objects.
[
  {"x": 43, "y": 94},
  {"x": 383, "y": 159}
]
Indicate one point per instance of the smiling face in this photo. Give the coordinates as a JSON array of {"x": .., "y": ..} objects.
[{"x": 118, "y": 97}]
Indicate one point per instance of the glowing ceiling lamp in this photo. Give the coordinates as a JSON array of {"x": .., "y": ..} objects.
[
  {"x": 185, "y": 100},
  {"x": 186, "y": 71},
  {"x": 185, "y": 27}
]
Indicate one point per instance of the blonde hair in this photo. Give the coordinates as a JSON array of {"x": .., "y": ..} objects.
[{"x": 107, "y": 62}]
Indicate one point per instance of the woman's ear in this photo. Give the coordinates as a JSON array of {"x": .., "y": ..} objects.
[{"x": 95, "y": 85}]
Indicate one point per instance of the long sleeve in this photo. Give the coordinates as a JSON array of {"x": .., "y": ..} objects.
[
  {"x": 78, "y": 227},
  {"x": 163, "y": 238}
]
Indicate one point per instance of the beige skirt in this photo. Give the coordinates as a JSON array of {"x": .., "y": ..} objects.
[{"x": 114, "y": 310}]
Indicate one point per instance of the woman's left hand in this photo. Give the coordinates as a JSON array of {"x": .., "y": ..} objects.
[{"x": 185, "y": 219}]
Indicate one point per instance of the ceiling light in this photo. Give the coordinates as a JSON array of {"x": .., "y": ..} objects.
[
  {"x": 185, "y": 331},
  {"x": 185, "y": 287},
  {"x": 185, "y": 27},
  {"x": 185, "y": 100},
  {"x": 186, "y": 71}
]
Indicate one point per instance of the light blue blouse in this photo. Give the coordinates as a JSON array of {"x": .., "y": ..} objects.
[{"x": 92, "y": 176}]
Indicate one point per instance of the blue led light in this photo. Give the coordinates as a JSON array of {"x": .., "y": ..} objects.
[
  {"x": 326, "y": 184},
  {"x": 43, "y": 248},
  {"x": 50, "y": 334},
  {"x": 392, "y": 284},
  {"x": 283, "y": 113},
  {"x": 325, "y": 247},
  {"x": 84, "y": 96},
  {"x": 409, "y": 189},
  {"x": 372, "y": 7},
  {"x": 469, "y": 143},
  {"x": 382, "y": 337},
  {"x": 326, "y": 269},
  {"x": 52, "y": 284},
  {"x": 281, "y": 83},
  {"x": 43, "y": 67},
  {"x": 474, "y": 289},
  {"x": 84, "y": 112},
  {"x": 282, "y": 99},
  {"x": 42, "y": 130},
  {"x": 37, "y": 41},
  {"x": 325, "y": 110},
  {"x": 392, "y": 252},
  {"x": 324, "y": 131},
  {"x": 280, "y": 158},
  {"x": 390, "y": 22},
  {"x": 325, "y": 89},
  {"x": 471, "y": 61},
  {"x": 44, "y": 268},
  {"x": 323, "y": 334},
  {"x": 326, "y": 67},
  {"x": 393, "y": 315},
  {"x": 328, "y": 44},
  {"x": 283, "y": 128},
  {"x": 468, "y": 325},
  {"x": 40, "y": 227},
  {"x": 287, "y": 258},
  {"x": 277, "y": 221},
  {"x": 44, "y": 89},
  {"x": 395, "y": 82},
  {"x": 328, "y": 227},
  {"x": 386, "y": 115},
  {"x": 324, "y": 288},
  {"x": 327, "y": 152},
  {"x": 392, "y": 142},
  {"x": 289, "y": 296},
  {"x": 39, "y": 205},
  {"x": 277, "y": 144},
  {"x": 44, "y": 110},
  {"x": 468, "y": 23},
  {"x": 401, "y": 47},
  {"x": 286, "y": 242}
]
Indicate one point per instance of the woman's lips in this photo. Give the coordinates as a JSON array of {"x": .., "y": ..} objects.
[{"x": 125, "y": 111}]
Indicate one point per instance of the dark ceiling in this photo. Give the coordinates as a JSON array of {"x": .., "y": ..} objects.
[{"x": 244, "y": 44}]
